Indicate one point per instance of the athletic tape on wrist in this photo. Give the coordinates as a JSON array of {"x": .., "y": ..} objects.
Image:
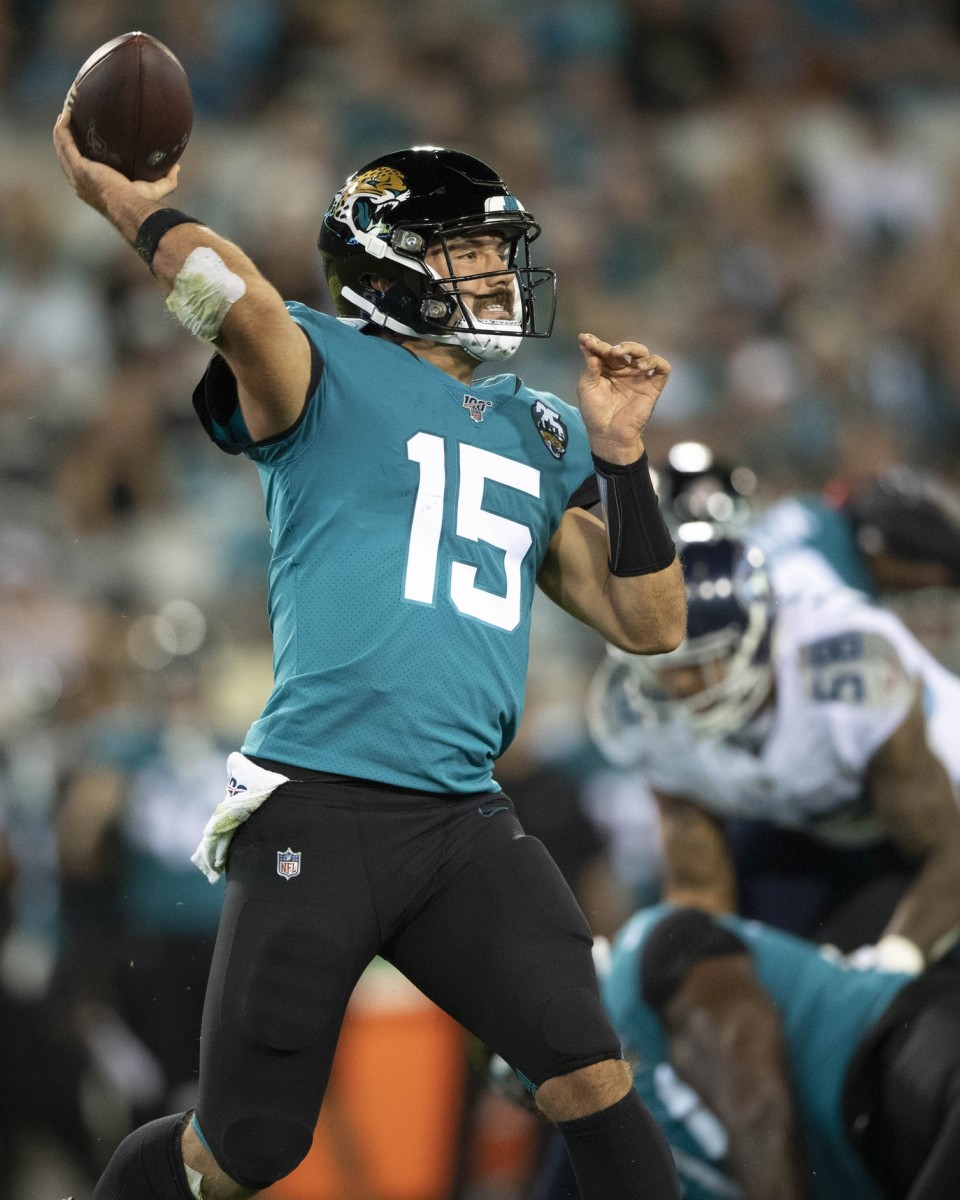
[
  {"x": 154, "y": 227},
  {"x": 638, "y": 538},
  {"x": 204, "y": 291}
]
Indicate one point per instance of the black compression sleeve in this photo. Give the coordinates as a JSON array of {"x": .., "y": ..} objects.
[
  {"x": 621, "y": 1151},
  {"x": 638, "y": 537}
]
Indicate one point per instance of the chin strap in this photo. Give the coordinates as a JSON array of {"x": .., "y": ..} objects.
[{"x": 489, "y": 347}]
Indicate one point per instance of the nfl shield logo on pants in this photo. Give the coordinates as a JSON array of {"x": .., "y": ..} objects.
[{"x": 288, "y": 863}]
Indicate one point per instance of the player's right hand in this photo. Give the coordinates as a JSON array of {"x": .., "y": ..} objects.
[{"x": 94, "y": 182}]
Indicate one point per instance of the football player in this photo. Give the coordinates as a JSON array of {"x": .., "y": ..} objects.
[
  {"x": 823, "y": 718},
  {"x": 780, "y": 1071},
  {"x": 413, "y": 509}
]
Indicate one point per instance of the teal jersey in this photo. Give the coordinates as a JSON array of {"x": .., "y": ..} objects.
[
  {"x": 173, "y": 776},
  {"x": 812, "y": 544},
  {"x": 825, "y": 1008},
  {"x": 409, "y": 516}
]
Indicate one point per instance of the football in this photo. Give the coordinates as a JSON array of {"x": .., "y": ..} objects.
[{"x": 131, "y": 107}]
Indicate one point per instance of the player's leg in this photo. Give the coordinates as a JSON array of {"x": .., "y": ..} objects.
[
  {"x": 289, "y": 951},
  {"x": 204, "y": 1173},
  {"x": 504, "y": 948},
  {"x": 292, "y": 945},
  {"x": 152, "y": 1162},
  {"x": 147, "y": 1165}
]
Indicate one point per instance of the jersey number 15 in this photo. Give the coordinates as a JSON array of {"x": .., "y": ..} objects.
[{"x": 473, "y": 522}]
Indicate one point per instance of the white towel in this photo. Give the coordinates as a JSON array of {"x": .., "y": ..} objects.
[{"x": 247, "y": 787}]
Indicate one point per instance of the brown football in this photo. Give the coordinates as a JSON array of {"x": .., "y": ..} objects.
[{"x": 131, "y": 107}]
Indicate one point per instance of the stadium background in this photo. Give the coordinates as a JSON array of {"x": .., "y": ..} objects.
[{"x": 765, "y": 191}]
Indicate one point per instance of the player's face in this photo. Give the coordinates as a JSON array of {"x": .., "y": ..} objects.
[
  {"x": 685, "y": 682},
  {"x": 491, "y": 298}
]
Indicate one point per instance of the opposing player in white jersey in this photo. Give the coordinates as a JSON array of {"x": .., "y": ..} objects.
[{"x": 822, "y": 716}]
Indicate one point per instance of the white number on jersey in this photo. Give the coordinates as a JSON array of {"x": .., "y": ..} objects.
[
  {"x": 855, "y": 667},
  {"x": 684, "y": 1105},
  {"x": 473, "y": 522}
]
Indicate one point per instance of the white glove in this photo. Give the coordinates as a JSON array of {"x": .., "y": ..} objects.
[
  {"x": 247, "y": 787},
  {"x": 892, "y": 953}
]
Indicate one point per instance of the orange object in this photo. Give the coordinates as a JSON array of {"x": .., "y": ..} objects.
[
  {"x": 504, "y": 1142},
  {"x": 389, "y": 1125}
]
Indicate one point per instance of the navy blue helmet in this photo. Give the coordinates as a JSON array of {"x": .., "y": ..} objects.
[{"x": 730, "y": 623}]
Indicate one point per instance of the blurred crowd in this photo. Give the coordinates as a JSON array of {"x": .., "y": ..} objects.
[{"x": 767, "y": 192}]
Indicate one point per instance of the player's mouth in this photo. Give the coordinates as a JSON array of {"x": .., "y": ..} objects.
[{"x": 496, "y": 307}]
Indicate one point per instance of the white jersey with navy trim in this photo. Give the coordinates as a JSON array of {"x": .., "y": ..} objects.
[
  {"x": 847, "y": 672},
  {"x": 409, "y": 517},
  {"x": 810, "y": 548}
]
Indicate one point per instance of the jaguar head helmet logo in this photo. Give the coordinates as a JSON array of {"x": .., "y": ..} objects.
[{"x": 368, "y": 196}]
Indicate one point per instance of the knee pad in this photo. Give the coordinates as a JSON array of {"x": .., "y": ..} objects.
[
  {"x": 147, "y": 1165},
  {"x": 259, "y": 1150}
]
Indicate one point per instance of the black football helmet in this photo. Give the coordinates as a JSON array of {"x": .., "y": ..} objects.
[
  {"x": 693, "y": 486},
  {"x": 730, "y": 622},
  {"x": 906, "y": 512},
  {"x": 386, "y": 216}
]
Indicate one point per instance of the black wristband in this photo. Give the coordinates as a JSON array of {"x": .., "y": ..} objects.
[
  {"x": 638, "y": 537},
  {"x": 154, "y": 227}
]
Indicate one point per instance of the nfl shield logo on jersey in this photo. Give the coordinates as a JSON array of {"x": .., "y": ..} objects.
[{"x": 288, "y": 863}]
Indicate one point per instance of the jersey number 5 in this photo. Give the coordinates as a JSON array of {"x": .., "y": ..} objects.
[{"x": 474, "y": 522}]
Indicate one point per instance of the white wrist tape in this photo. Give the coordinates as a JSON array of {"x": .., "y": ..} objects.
[
  {"x": 896, "y": 953},
  {"x": 204, "y": 291}
]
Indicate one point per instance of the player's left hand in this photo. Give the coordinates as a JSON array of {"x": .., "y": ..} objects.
[{"x": 617, "y": 391}]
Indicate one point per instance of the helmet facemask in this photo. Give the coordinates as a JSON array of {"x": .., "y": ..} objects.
[
  {"x": 731, "y": 625},
  {"x": 426, "y": 303},
  {"x": 737, "y": 678}
]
